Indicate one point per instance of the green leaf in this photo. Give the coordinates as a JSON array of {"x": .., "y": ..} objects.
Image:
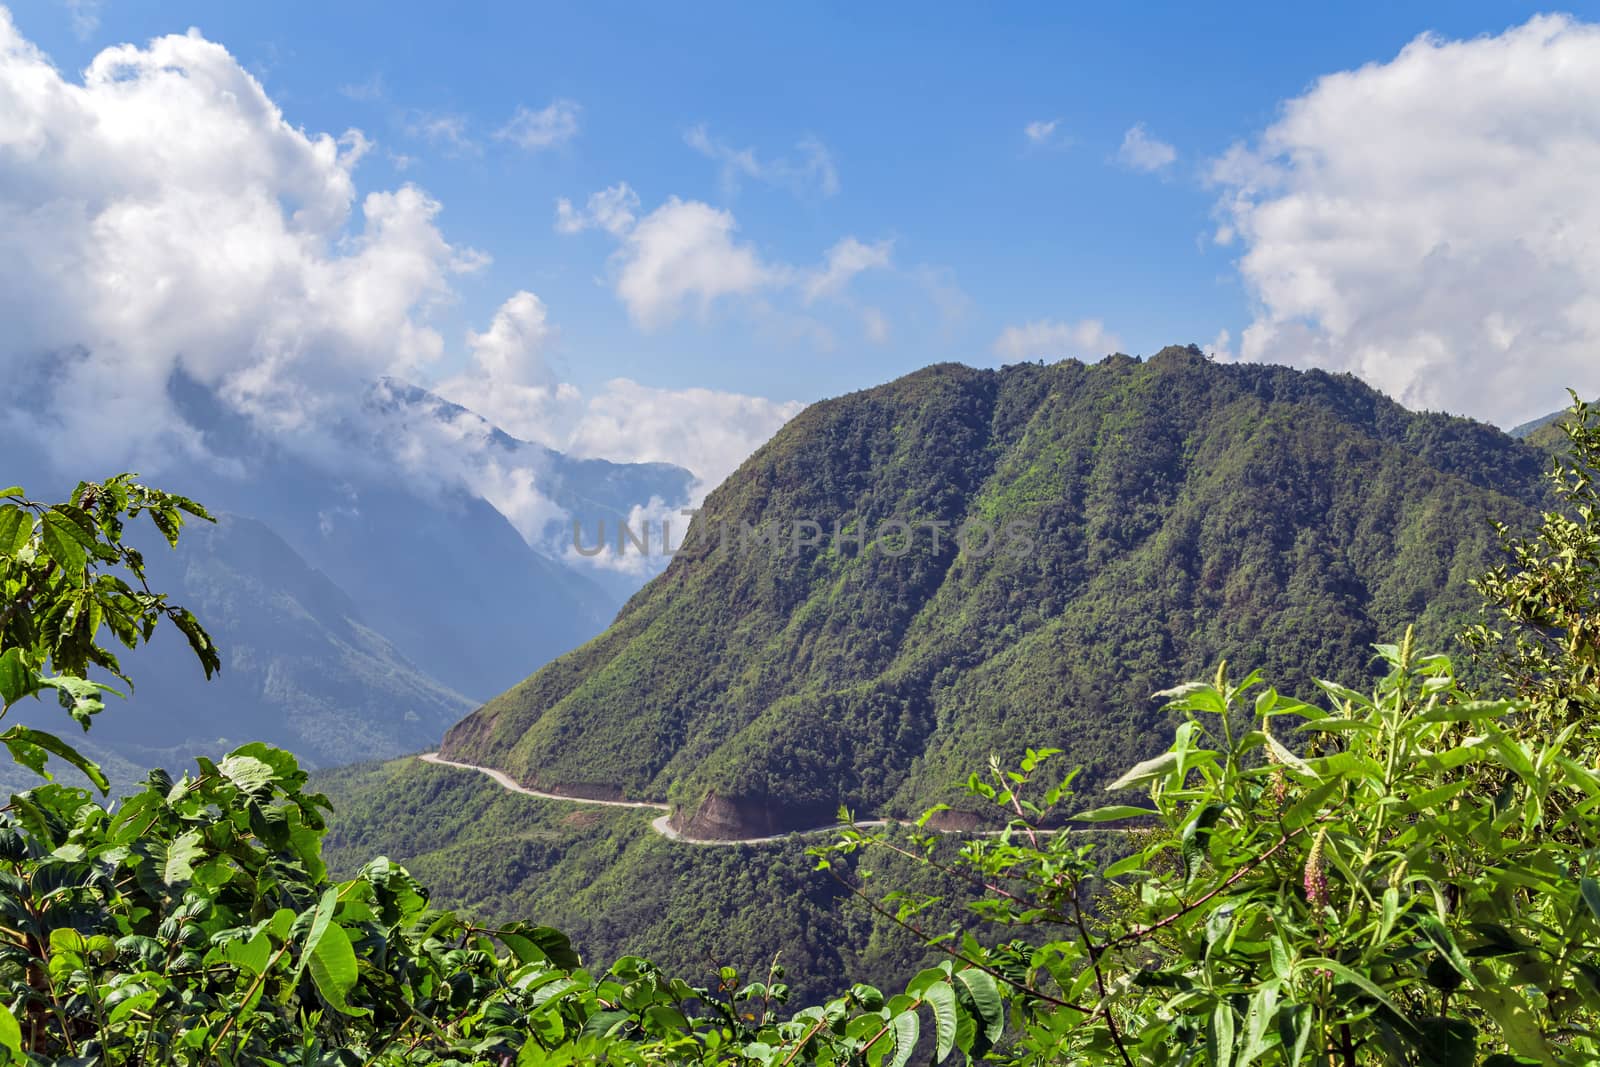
[
  {"x": 1147, "y": 771},
  {"x": 16, "y": 680},
  {"x": 942, "y": 999},
  {"x": 1288, "y": 759},
  {"x": 65, "y": 541},
  {"x": 906, "y": 1031},
  {"x": 1220, "y": 1034},
  {"x": 1591, "y": 894},
  {"x": 333, "y": 968},
  {"x": 1110, "y": 813},
  {"x": 181, "y": 854},
  {"x": 19, "y": 736},
  {"x": 16, "y": 527},
  {"x": 1468, "y": 711},
  {"x": 249, "y": 954},
  {"x": 321, "y": 918},
  {"x": 249, "y": 774},
  {"x": 10, "y": 1033},
  {"x": 1439, "y": 935},
  {"x": 1360, "y": 981},
  {"x": 985, "y": 996}
]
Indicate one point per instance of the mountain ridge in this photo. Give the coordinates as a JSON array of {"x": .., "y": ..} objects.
[{"x": 1180, "y": 510}]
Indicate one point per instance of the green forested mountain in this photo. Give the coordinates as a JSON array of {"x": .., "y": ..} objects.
[{"x": 1152, "y": 516}]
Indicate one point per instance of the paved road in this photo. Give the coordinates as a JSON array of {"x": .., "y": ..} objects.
[{"x": 658, "y": 824}]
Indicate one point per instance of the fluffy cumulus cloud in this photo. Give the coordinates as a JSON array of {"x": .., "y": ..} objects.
[
  {"x": 509, "y": 380},
  {"x": 686, "y": 254},
  {"x": 1141, "y": 151},
  {"x": 1429, "y": 223},
  {"x": 160, "y": 218},
  {"x": 1055, "y": 339},
  {"x": 163, "y": 214}
]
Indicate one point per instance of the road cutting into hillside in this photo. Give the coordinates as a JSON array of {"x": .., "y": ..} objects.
[{"x": 658, "y": 824}]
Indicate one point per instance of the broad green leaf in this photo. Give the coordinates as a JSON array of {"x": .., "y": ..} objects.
[
  {"x": 1515, "y": 1018},
  {"x": 181, "y": 855},
  {"x": 64, "y": 541},
  {"x": 1468, "y": 711},
  {"x": 249, "y": 954},
  {"x": 333, "y": 968},
  {"x": 985, "y": 996},
  {"x": 16, "y": 680},
  {"x": 321, "y": 918},
  {"x": 1220, "y": 1034},
  {"x": 1288, "y": 759},
  {"x": 249, "y": 774},
  {"x": 942, "y": 999},
  {"x": 906, "y": 1030},
  {"x": 16, "y": 527},
  {"x": 1439, "y": 935}
]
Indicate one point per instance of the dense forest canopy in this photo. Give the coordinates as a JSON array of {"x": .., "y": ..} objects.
[
  {"x": 1176, "y": 510},
  {"x": 1400, "y": 872}
]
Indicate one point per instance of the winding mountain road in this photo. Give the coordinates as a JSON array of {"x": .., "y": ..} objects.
[{"x": 658, "y": 824}]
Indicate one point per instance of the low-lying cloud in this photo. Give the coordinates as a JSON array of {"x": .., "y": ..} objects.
[{"x": 162, "y": 219}]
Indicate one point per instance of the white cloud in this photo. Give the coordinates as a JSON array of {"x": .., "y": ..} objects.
[
  {"x": 845, "y": 260},
  {"x": 552, "y": 125},
  {"x": 612, "y": 210},
  {"x": 707, "y": 431},
  {"x": 162, "y": 213},
  {"x": 512, "y": 385},
  {"x": 1141, "y": 151},
  {"x": 1428, "y": 223},
  {"x": 513, "y": 348},
  {"x": 814, "y": 169},
  {"x": 685, "y": 252},
  {"x": 1040, "y": 131},
  {"x": 1054, "y": 339},
  {"x": 162, "y": 216}
]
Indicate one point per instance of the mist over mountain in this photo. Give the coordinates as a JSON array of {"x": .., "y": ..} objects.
[
  {"x": 363, "y": 591},
  {"x": 1175, "y": 512}
]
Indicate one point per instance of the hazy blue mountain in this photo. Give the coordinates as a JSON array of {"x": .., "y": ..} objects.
[
  {"x": 363, "y": 595},
  {"x": 301, "y": 666}
]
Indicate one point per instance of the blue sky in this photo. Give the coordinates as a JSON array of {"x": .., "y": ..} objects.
[{"x": 920, "y": 113}]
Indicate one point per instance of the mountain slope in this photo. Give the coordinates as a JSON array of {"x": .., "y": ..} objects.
[
  {"x": 1177, "y": 512},
  {"x": 301, "y": 668},
  {"x": 433, "y": 565}
]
